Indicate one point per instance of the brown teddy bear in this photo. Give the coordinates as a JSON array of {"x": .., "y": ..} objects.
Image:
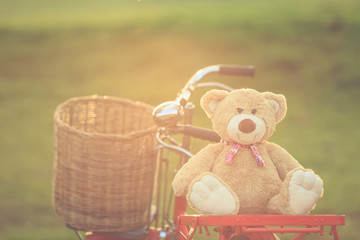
[{"x": 244, "y": 173}]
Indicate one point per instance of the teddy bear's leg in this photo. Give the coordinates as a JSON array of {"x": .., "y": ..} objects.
[
  {"x": 210, "y": 195},
  {"x": 299, "y": 193}
]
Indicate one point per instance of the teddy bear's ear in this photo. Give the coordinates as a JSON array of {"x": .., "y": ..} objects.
[
  {"x": 278, "y": 103},
  {"x": 211, "y": 99}
]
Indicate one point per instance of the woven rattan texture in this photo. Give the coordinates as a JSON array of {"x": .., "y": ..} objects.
[{"x": 104, "y": 165}]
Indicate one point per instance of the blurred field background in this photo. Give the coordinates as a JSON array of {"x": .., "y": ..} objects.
[{"x": 146, "y": 50}]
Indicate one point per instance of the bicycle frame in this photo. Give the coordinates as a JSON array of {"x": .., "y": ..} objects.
[{"x": 183, "y": 226}]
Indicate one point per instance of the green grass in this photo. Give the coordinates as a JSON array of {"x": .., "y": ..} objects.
[{"x": 146, "y": 50}]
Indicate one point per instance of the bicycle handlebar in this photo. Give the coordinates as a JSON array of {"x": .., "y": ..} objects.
[
  {"x": 232, "y": 70},
  {"x": 189, "y": 130},
  {"x": 197, "y": 132},
  {"x": 169, "y": 113},
  {"x": 247, "y": 71}
]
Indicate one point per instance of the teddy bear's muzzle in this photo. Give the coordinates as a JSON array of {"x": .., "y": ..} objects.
[{"x": 247, "y": 126}]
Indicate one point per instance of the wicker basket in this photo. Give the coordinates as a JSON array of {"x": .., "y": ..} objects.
[{"x": 104, "y": 167}]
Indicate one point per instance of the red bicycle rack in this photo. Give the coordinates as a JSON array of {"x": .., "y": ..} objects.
[{"x": 255, "y": 226}]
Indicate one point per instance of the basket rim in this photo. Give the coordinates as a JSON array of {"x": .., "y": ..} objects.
[{"x": 128, "y": 136}]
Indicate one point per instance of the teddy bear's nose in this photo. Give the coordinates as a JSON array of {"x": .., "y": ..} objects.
[{"x": 247, "y": 126}]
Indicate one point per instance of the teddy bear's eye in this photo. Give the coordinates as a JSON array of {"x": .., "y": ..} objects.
[
  {"x": 240, "y": 110},
  {"x": 253, "y": 111}
]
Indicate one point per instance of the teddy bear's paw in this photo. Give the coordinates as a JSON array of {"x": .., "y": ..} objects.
[
  {"x": 210, "y": 196},
  {"x": 305, "y": 188}
]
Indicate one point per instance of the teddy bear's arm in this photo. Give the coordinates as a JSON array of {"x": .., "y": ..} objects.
[
  {"x": 201, "y": 162},
  {"x": 282, "y": 160}
]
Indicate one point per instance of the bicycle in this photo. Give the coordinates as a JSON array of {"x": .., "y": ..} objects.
[{"x": 184, "y": 226}]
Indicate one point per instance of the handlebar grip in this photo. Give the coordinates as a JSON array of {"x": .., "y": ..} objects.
[
  {"x": 246, "y": 71},
  {"x": 201, "y": 133}
]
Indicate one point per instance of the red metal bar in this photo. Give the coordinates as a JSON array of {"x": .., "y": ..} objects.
[
  {"x": 261, "y": 220},
  {"x": 192, "y": 230},
  {"x": 181, "y": 234},
  {"x": 200, "y": 229},
  {"x": 180, "y": 209},
  {"x": 280, "y": 230},
  {"x": 207, "y": 231},
  {"x": 334, "y": 232},
  {"x": 300, "y": 236},
  {"x": 256, "y": 224}
]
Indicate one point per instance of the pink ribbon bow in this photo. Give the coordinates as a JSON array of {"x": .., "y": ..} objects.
[{"x": 236, "y": 147}]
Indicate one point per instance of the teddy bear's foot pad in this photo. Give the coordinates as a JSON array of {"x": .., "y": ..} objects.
[
  {"x": 305, "y": 188},
  {"x": 209, "y": 195}
]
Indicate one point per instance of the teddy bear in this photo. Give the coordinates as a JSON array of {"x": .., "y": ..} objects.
[{"x": 244, "y": 173}]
